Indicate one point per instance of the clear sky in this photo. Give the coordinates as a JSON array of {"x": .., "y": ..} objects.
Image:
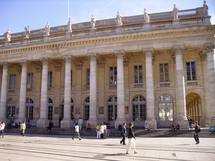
[{"x": 16, "y": 14}]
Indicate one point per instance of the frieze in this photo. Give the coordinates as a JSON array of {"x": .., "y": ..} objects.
[{"x": 75, "y": 44}]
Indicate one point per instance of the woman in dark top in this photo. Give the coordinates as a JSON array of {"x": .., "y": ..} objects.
[{"x": 131, "y": 138}]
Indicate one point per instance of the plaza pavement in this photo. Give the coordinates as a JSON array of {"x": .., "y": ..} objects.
[{"x": 63, "y": 148}]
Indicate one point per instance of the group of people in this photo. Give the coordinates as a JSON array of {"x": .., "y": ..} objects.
[
  {"x": 101, "y": 131},
  {"x": 129, "y": 132},
  {"x": 22, "y": 128}
]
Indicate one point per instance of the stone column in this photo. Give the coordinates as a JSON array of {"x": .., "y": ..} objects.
[
  {"x": 150, "y": 98},
  {"x": 22, "y": 93},
  {"x": 3, "y": 92},
  {"x": 120, "y": 90},
  {"x": 180, "y": 90},
  {"x": 66, "y": 122},
  {"x": 210, "y": 109},
  {"x": 42, "y": 122},
  {"x": 93, "y": 91}
]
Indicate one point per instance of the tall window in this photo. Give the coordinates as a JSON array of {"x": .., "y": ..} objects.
[
  {"x": 139, "y": 108},
  {"x": 87, "y": 108},
  {"x": 88, "y": 77},
  {"x": 29, "y": 109},
  {"x": 50, "y": 109},
  {"x": 112, "y": 76},
  {"x": 12, "y": 82},
  {"x": 11, "y": 111},
  {"x": 166, "y": 108},
  {"x": 29, "y": 80},
  {"x": 61, "y": 113},
  {"x": 49, "y": 79},
  {"x": 112, "y": 108},
  {"x": 138, "y": 74},
  {"x": 164, "y": 72},
  {"x": 191, "y": 70}
]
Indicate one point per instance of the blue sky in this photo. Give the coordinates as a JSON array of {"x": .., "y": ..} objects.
[{"x": 16, "y": 14}]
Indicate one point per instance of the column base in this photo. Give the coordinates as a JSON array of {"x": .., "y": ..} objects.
[
  {"x": 42, "y": 123},
  {"x": 65, "y": 124},
  {"x": 91, "y": 123},
  {"x": 183, "y": 124},
  {"x": 118, "y": 122},
  {"x": 152, "y": 124}
]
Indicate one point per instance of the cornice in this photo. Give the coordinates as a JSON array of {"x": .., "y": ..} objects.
[{"x": 61, "y": 46}]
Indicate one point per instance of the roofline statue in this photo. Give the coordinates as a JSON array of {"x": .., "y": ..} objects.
[
  {"x": 146, "y": 17},
  {"x": 118, "y": 19},
  {"x": 8, "y": 36},
  {"x": 47, "y": 29},
  {"x": 175, "y": 13},
  {"x": 93, "y": 23}
]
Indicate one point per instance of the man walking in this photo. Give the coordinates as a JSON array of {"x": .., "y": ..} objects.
[
  {"x": 76, "y": 132},
  {"x": 22, "y": 128},
  {"x": 123, "y": 134},
  {"x": 2, "y": 127},
  {"x": 131, "y": 138},
  {"x": 196, "y": 132}
]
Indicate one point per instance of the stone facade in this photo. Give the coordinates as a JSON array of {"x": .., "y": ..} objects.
[{"x": 160, "y": 71}]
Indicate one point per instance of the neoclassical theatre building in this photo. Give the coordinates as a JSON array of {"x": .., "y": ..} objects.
[{"x": 157, "y": 67}]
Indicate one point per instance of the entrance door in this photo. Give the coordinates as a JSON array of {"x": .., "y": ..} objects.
[
  {"x": 112, "y": 110},
  {"x": 139, "y": 110}
]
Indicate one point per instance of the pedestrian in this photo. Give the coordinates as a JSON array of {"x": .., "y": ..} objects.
[
  {"x": 196, "y": 132},
  {"x": 190, "y": 121},
  {"x": 2, "y": 127},
  {"x": 131, "y": 138},
  {"x": 22, "y": 128},
  {"x": 147, "y": 126},
  {"x": 50, "y": 126},
  {"x": 76, "y": 132},
  {"x": 80, "y": 123},
  {"x": 98, "y": 126},
  {"x": 123, "y": 133},
  {"x": 102, "y": 131}
]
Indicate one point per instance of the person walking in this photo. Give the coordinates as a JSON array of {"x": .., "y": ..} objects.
[
  {"x": 196, "y": 132},
  {"x": 98, "y": 126},
  {"x": 22, "y": 128},
  {"x": 123, "y": 134},
  {"x": 131, "y": 138},
  {"x": 76, "y": 132},
  {"x": 2, "y": 127}
]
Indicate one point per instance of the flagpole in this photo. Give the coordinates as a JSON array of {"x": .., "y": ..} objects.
[{"x": 68, "y": 9}]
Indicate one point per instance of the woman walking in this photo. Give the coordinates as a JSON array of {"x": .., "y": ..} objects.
[{"x": 131, "y": 138}]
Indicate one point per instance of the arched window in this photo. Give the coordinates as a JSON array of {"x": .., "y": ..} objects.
[
  {"x": 112, "y": 108},
  {"x": 29, "y": 112},
  {"x": 165, "y": 108},
  {"x": 11, "y": 109},
  {"x": 50, "y": 109},
  {"x": 61, "y": 113},
  {"x": 139, "y": 108},
  {"x": 87, "y": 108}
]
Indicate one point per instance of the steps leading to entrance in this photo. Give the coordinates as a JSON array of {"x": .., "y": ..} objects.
[{"x": 115, "y": 133}]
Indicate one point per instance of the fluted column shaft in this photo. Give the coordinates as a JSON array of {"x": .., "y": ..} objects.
[
  {"x": 67, "y": 94},
  {"x": 93, "y": 90},
  {"x": 42, "y": 122},
  {"x": 150, "y": 100},
  {"x": 180, "y": 90},
  {"x": 211, "y": 85},
  {"x": 120, "y": 90},
  {"x": 22, "y": 95},
  {"x": 3, "y": 92}
]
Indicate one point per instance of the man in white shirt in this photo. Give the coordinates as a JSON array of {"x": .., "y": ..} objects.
[
  {"x": 76, "y": 132},
  {"x": 2, "y": 127}
]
